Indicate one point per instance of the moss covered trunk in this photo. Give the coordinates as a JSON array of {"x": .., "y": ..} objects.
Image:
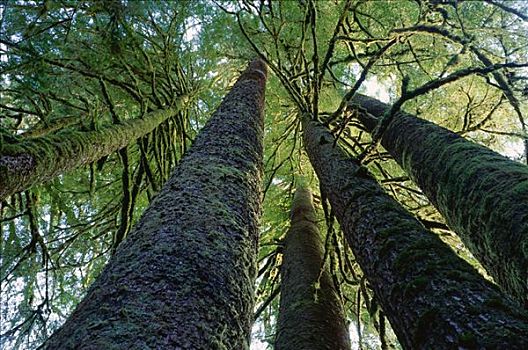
[
  {"x": 482, "y": 195},
  {"x": 36, "y": 160},
  {"x": 433, "y": 298},
  {"x": 183, "y": 279},
  {"x": 311, "y": 315}
]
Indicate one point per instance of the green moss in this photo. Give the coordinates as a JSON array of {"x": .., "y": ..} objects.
[
  {"x": 520, "y": 189},
  {"x": 399, "y": 229},
  {"x": 467, "y": 340},
  {"x": 414, "y": 253},
  {"x": 459, "y": 275},
  {"x": 66, "y": 150},
  {"x": 416, "y": 286},
  {"x": 389, "y": 245},
  {"x": 497, "y": 303},
  {"x": 482, "y": 205}
]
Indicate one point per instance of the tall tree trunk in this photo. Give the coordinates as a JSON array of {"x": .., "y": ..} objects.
[
  {"x": 482, "y": 195},
  {"x": 183, "y": 279},
  {"x": 311, "y": 314},
  {"x": 35, "y": 160},
  {"x": 433, "y": 298}
]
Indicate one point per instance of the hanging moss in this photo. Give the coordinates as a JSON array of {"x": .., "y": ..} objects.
[
  {"x": 39, "y": 159},
  {"x": 482, "y": 195}
]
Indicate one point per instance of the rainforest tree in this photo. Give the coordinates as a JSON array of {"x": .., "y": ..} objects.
[
  {"x": 484, "y": 205},
  {"x": 163, "y": 288},
  {"x": 404, "y": 262},
  {"x": 86, "y": 67},
  {"x": 311, "y": 314},
  {"x": 76, "y": 90}
]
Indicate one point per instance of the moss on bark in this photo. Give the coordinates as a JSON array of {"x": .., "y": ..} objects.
[
  {"x": 311, "y": 315},
  {"x": 183, "y": 279},
  {"x": 433, "y": 298},
  {"x": 39, "y": 159},
  {"x": 482, "y": 195}
]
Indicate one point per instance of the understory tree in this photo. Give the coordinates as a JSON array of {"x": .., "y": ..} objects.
[{"x": 39, "y": 159}]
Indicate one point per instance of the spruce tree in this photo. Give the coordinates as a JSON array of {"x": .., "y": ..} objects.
[
  {"x": 184, "y": 277},
  {"x": 311, "y": 314},
  {"x": 482, "y": 195},
  {"x": 38, "y": 159},
  {"x": 432, "y": 298}
]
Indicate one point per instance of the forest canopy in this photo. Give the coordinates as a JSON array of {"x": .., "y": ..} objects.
[{"x": 101, "y": 100}]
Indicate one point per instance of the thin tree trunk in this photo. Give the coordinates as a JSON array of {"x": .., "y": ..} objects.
[
  {"x": 311, "y": 314},
  {"x": 433, "y": 298},
  {"x": 183, "y": 279},
  {"x": 482, "y": 195},
  {"x": 36, "y": 160}
]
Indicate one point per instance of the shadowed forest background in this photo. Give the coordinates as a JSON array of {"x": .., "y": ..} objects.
[{"x": 100, "y": 100}]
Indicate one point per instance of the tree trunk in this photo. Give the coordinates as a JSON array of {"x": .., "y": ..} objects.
[
  {"x": 433, "y": 298},
  {"x": 311, "y": 314},
  {"x": 36, "y": 160},
  {"x": 482, "y": 195},
  {"x": 183, "y": 279}
]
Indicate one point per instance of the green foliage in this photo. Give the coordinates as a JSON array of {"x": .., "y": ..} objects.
[{"x": 83, "y": 65}]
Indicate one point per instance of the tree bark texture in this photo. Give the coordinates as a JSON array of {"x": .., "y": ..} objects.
[
  {"x": 183, "y": 278},
  {"x": 482, "y": 195},
  {"x": 432, "y": 297},
  {"x": 36, "y": 160},
  {"x": 311, "y": 314}
]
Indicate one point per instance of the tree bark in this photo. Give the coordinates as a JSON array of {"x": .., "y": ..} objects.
[
  {"x": 433, "y": 298},
  {"x": 36, "y": 160},
  {"x": 482, "y": 195},
  {"x": 311, "y": 314},
  {"x": 183, "y": 279}
]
